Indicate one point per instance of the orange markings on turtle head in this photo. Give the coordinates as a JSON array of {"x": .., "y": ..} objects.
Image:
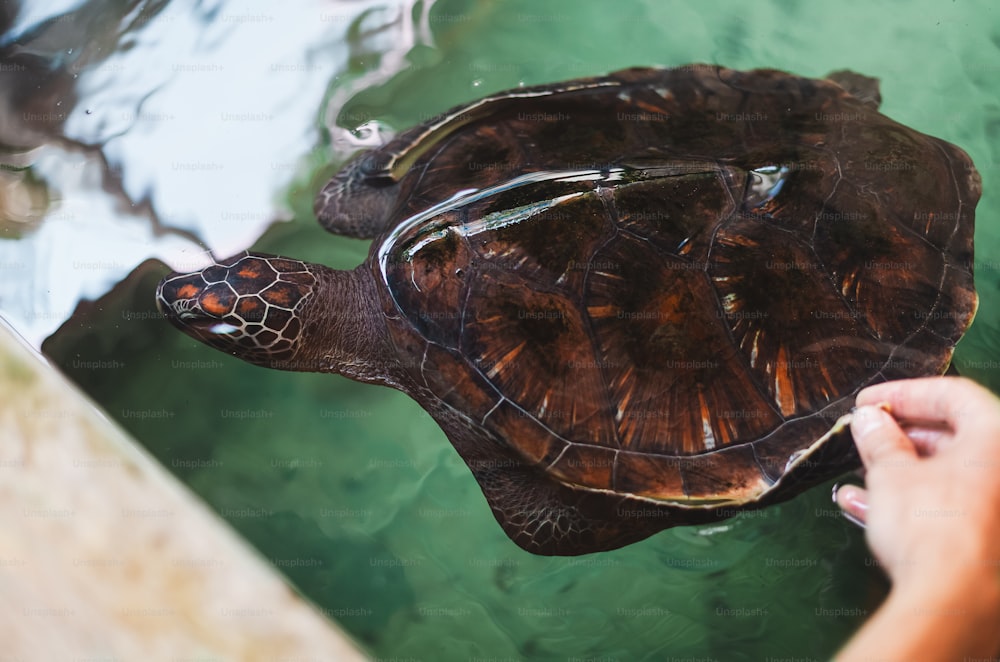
[
  {"x": 279, "y": 298},
  {"x": 212, "y": 305},
  {"x": 282, "y": 294},
  {"x": 188, "y": 291},
  {"x": 250, "y": 308},
  {"x": 249, "y": 271}
]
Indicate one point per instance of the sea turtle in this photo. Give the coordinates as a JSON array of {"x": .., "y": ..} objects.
[{"x": 632, "y": 301}]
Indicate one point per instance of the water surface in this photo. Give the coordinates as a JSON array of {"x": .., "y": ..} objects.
[{"x": 168, "y": 129}]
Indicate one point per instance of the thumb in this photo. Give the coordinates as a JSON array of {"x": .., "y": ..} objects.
[{"x": 879, "y": 438}]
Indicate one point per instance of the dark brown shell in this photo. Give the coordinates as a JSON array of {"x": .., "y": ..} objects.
[{"x": 670, "y": 283}]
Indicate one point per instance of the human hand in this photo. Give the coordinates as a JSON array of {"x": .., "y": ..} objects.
[
  {"x": 933, "y": 496},
  {"x": 932, "y": 514}
]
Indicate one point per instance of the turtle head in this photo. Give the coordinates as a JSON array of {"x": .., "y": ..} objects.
[
  {"x": 252, "y": 306},
  {"x": 276, "y": 312}
]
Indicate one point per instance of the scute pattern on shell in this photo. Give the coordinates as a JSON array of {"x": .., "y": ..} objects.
[{"x": 680, "y": 287}]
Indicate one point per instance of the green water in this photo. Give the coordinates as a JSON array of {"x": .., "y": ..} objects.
[{"x": 357, "y": 496}]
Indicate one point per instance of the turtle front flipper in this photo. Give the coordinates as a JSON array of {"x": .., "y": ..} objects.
[{"x": 358, "y": 200}]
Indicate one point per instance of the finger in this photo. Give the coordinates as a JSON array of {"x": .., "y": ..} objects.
[
  {"x": 853, "y": 500},
  {"x": 928, "y": 440},
  {"x": 948, "y": 399},
  {"x": 879, "y": 439}
]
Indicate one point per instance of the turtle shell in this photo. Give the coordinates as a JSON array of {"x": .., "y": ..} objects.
[{"x": 669, "y": 284}]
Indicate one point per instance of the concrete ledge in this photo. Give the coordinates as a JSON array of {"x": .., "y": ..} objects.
[{"x": 105, "y": 556}]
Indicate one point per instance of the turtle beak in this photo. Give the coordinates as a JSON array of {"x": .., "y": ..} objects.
[
  {"x": 179, "y": 299},
  {"x": 166, "y": 297}
]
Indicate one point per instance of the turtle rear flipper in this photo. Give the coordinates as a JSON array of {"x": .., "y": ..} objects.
[
  {"x": 545, "y": 518},
  {"x": 550, "y": 519}
]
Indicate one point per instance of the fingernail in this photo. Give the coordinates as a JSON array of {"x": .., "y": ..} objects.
[
  {"x": 866, "y": 420},
  {"x": 851, "y": 495},
  {"x": 853, "y": 498},
  {"x": 853, "y": 520}
]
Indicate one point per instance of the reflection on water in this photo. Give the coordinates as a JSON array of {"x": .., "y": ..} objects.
[
  {"x": 162, "y": 129},
  {"x": 165, "y": 128}
]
